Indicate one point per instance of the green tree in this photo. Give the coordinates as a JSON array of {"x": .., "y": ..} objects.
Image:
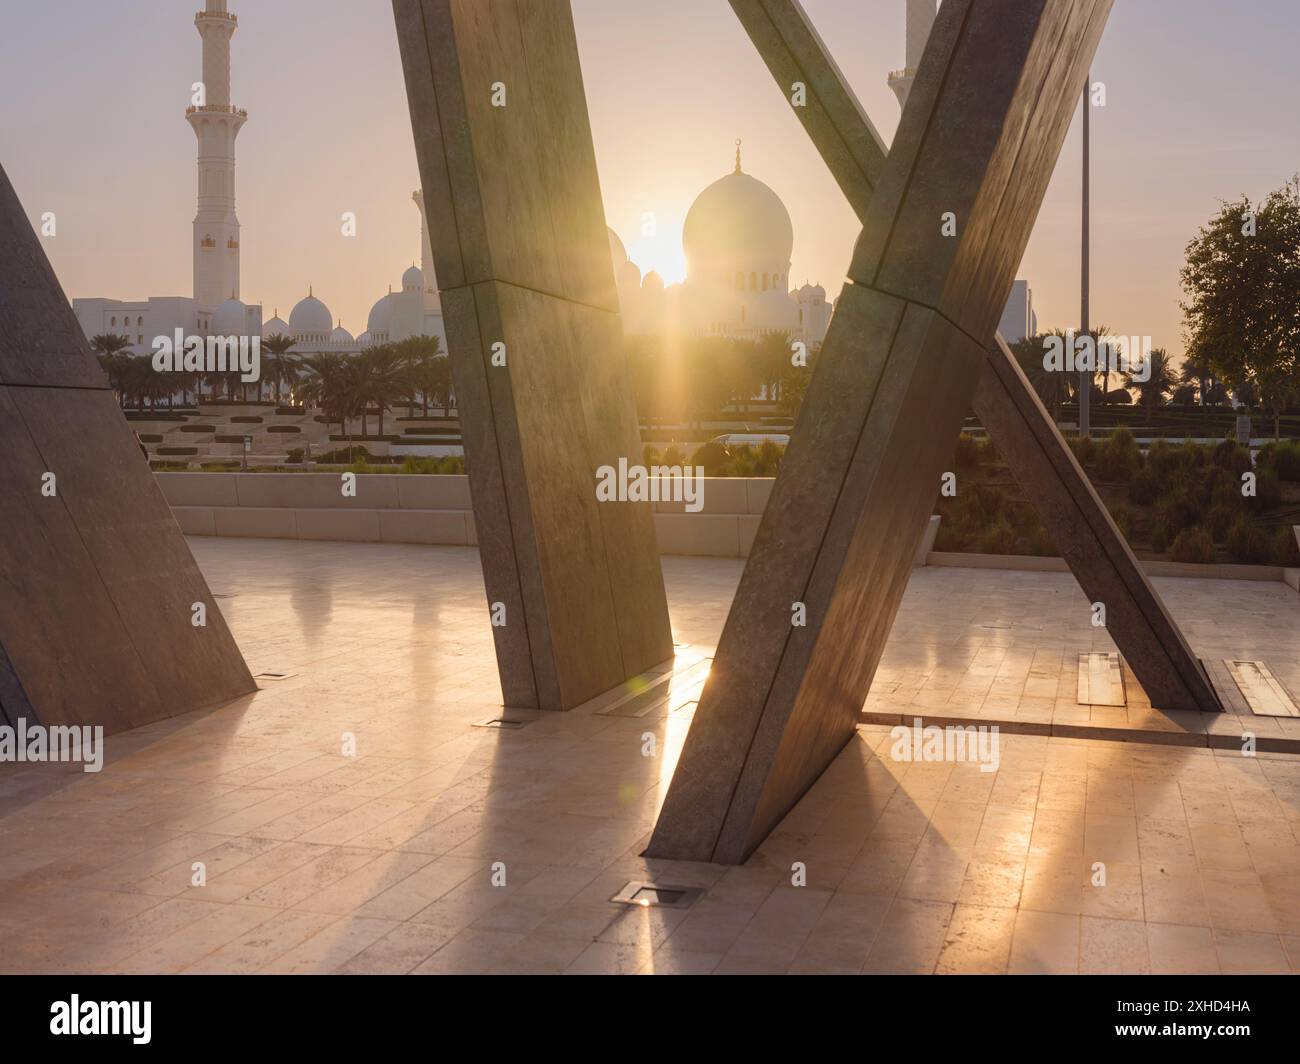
[
  {"x": 428, "y": 371},
  {"x": 1159, "y": 382},
  {"x": 1053, "y": 387},
  {"x": 323, "y": 386},
  {"x": 1242, "y": 287},
  {"x": 278, "y": 366}
]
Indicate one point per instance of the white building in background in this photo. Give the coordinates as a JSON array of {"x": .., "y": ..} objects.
[
  {"x": 215, "y": 307},
  {"x": 738, "y": 240},
  {"x": 1018, "y": 318}
]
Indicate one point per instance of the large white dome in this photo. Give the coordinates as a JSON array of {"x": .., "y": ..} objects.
[
  {"x": 413, "y": 279},
  {"x": 311, "y": 317},
  {"x": 381, "y": 316},
  {"x": 230, "y": 319},
  {"x": 738, "y": 226}
]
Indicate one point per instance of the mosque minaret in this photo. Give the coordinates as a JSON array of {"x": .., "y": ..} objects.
[
  {"x": 920, "y": 19},
  {"x": 216, "y": 124}
]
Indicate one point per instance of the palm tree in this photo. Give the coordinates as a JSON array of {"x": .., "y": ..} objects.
[
  {"x": 279, "y": 369},
  {"x": 1198, "y": 369},
  {"x": 774, "y": 352},
  {"x": 1052, "y": 387},
  {"x": 1159, "y": 381},
  {"x": 381, "y": 375},
  {"x": 322, "y": 386},
  {"x": 109, "y": 344},
  {"x": 110, "y": 348},
  {"x": 429, "y": 373}
]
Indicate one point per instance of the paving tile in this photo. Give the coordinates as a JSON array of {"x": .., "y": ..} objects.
[{"x": 911, "y": 866}]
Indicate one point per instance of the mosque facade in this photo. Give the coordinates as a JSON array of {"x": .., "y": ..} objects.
[
  {"x": 215, "y": 308},
  {"x": 738, "y": 240}
]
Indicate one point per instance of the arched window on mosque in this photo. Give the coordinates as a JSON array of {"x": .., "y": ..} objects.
[
  {"x": 112, "y": 321},
  {"x": 753, "y": 282},
  {"x": 767, "y": 278},
  {"x": 740, "y": 281},
  {"x": 139, "y": 321}
]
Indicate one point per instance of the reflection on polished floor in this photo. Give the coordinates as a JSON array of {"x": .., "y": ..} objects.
[{"x": 386, "y": 861}]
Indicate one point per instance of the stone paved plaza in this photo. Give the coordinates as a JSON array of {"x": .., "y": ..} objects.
[{"x": 384, "y": 862}]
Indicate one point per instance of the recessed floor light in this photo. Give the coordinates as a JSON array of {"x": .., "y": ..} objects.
[
  {"x": 1101, "y": 680},
  {"x": 274, "y": 675},
  {"x": 501, "y": 723},
  {"x": 1262, "y": 690},
  {"x": 657, "y": 895}
]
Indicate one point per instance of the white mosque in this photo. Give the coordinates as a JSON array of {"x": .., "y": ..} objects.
[
  {"x": 215, "y": 309},
  {"x": 738, "y": 240}
]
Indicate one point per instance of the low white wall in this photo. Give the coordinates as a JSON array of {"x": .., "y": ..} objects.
[{"x": 415, "y": 508}]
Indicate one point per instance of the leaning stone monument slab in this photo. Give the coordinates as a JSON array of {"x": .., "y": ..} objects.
[
  {"x": 522, "y": 256},
  {"x": 900, "y": 365},
  {"x": 97, "y": 585}
]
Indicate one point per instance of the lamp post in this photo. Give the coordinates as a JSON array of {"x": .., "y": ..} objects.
[{"x": 1085, "y": 376}]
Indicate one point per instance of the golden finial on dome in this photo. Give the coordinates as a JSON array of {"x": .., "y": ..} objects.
[{"x": 737, "y": 170}]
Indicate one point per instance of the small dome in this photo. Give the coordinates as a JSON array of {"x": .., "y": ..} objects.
[
  {"x": 413, "y": 279},
  {"x": 340, "y": 335},
  {"x": 628, "y": 275},
  {"x": 381, "y": 316},
  {"x": 617, "y": 252},
  {"x": 276, "y": 325},
  {"x": 230, "y": 319},
  {"x": 364, "y": 339},
  {"x": 653, "y": 280},
  {"x": 311, "y": 317}
]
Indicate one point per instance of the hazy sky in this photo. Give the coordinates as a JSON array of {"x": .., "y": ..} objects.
[{"x": 1203, "y": 103}]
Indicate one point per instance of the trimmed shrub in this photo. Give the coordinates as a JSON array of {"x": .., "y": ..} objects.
[
  {"x": 1041, "y": 544},
  {"x": 1123, "y": 520},
  {"x": 344, "y": 455},
  {"x": 950, "y": 538},
  {"x": 1285, "y": 460},
  {"x": 713, "y": 457},
  {"x": 1117, "y": 459},
  {"x": 967, "y": 455},
  {"x": 1232, "y": 457},
  {"x": 1162, "y": 460},
  {"x": 1000, "y": 538},
  {"x": 295, "y": 455},
  {"x": 1192, "y": 456},
  {"x": 178, "y": 450},
  {"x": 283, "y": 428},
  {"x": 1268, "y": 489},
  {"x": 1181, "y": 509},
  {"x": 1144, "y": 488},
  {"x": 245, "y": 419},
  {"x": 1192, "y": 545},
  {"x": 150, "y": 437},
  {"x": 1159, "y": 535},
  {"x": 1247, "y": 544},
  {"x": 1285, "y": 549},
  {"x": 1084, "y": 450},
  {"x": 1221, "y": 518}
]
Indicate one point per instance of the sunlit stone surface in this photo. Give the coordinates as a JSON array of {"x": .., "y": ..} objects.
[{"x": 382, "y": 863}]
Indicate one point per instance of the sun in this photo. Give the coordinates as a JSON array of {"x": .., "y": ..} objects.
[{"x": 660, "y": 250}]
